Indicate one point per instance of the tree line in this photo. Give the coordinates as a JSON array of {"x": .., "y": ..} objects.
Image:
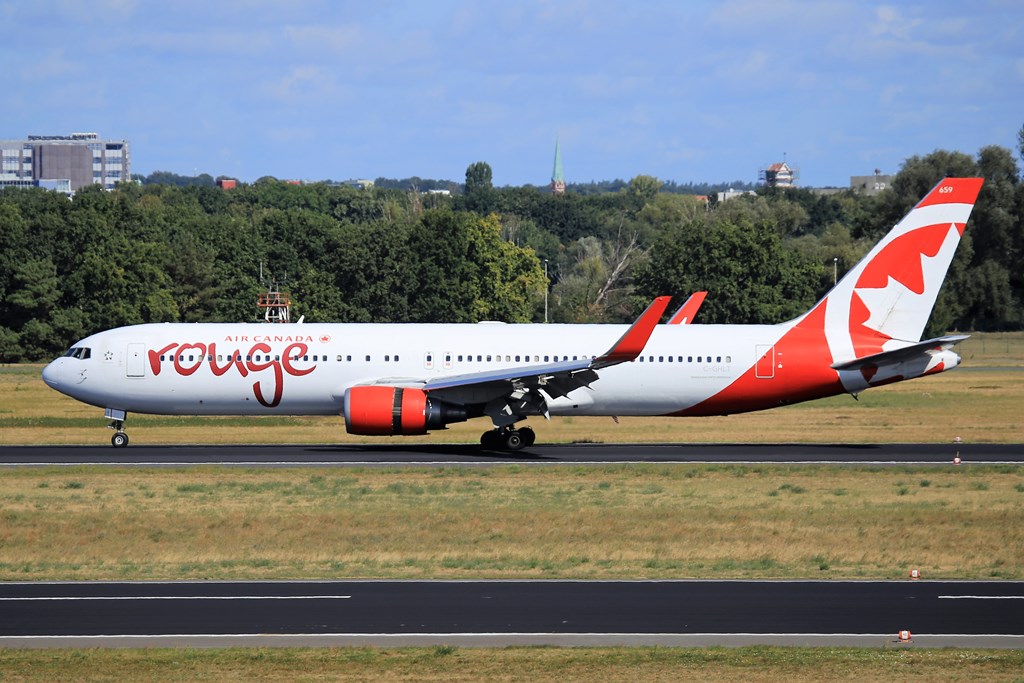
[{"x": 191, "y": 252}]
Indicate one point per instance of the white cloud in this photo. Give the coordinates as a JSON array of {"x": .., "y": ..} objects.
[
  {"x": 890, "y": 22},
  {"x": 49, "y": 67},
  {"x": 335, "y": 39},
  {"x": 303, "y": 83}
]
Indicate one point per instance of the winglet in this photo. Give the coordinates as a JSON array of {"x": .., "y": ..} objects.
[
  {"x": 686, "y": 312},
  {"x": 632, "y": 343}
]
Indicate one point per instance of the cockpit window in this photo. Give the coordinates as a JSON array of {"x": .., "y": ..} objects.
[{"x": 79, "y": 352}]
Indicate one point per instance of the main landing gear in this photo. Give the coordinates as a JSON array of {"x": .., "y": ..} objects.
[
  {"x": 508, "y": 439},
  {"x": 117, "y": 418}
]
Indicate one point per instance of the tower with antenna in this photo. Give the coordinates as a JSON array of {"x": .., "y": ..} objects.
[{"x": 275, "y": 304}]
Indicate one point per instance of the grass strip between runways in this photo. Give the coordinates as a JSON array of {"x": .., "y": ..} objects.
[{"x": 619, "y": 521}]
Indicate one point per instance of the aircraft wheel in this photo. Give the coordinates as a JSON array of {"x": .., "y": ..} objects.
[
  {"x": 489, "y": 439},
  {"x": 119, "y": 440},
  {"x": 528, "y": 436},
  {"x": 513, "y": 440}
]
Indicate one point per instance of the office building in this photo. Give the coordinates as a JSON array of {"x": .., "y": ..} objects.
[{"x": 64, "y": 162}]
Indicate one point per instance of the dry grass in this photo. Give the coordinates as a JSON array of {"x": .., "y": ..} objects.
[
  {"x": 790, "y": 665},
  {"x": 624, "y": 521}
]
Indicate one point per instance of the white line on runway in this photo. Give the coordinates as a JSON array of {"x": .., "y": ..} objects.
[
  {"x": 514, "y": 633},
  {"x": 981, "y": 597},
  {"x": 59, "y": 598},
  {"x": 434, "y": 463}
]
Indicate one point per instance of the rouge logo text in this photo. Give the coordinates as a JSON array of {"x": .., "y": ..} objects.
[{"x": 190, "y": 357}]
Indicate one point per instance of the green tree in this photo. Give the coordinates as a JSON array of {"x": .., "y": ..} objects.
[
  {"x": 750, "y": 277},
  {"x": 478, "y": 177},
  {"x": 480, "y": 195},
  {"x": 643, "y": 188}
]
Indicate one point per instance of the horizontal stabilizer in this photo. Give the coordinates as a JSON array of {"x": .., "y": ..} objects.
[{"x": 900, "y": 355}]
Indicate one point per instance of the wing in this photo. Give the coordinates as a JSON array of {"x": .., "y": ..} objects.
[{"x": 512, "y": 393}]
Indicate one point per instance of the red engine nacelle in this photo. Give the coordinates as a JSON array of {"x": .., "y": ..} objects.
[{"x": 386, "y": 411}]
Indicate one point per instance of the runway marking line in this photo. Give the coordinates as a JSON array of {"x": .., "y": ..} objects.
[
  {"x": 981, "y": 597},
  {"x": 432, "y": 463},
  {"x": 55, "y": 598}
]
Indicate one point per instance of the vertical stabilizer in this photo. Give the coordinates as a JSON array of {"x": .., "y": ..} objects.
[{"x": 884, "y": 301}]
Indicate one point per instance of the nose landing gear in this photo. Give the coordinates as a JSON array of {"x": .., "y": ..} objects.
[
  {"x": 508, "y": 439},
  {"x": 117, "y": 418}
]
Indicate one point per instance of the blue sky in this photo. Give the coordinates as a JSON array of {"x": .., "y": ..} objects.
[{"x": 685, "y": 91}]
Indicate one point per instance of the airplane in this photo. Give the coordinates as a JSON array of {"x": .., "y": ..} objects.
[{"x": 412, "y": 378}]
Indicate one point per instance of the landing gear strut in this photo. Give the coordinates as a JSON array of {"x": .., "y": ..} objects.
[
  {"x": 508, "y": 439},
  {"x": 117, "y": 417}
]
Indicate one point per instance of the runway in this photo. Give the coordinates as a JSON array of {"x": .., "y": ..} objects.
[
  {"x": 464, "y": 454},
  {"x": 495, "y": 613}
]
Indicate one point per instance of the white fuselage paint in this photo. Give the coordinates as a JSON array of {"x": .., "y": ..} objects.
[{"x": 681, "y": 365}]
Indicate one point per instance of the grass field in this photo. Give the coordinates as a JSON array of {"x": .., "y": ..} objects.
[
  {"x": 621, "y": 521},
  {"x": 982, "y": 401},
  {"x": 442, "y": 663}
]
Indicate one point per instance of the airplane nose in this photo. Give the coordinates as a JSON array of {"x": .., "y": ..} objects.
[{"x": 51, "y": 373}]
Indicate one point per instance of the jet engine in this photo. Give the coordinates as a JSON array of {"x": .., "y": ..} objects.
[{"x": 386, "y": 411}]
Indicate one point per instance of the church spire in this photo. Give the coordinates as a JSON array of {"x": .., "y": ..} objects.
[{"x": 557, "y": 174}]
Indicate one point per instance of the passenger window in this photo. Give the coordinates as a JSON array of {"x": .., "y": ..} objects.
[
  {"x": 718, "y": 359},
  {"x": 728, "y": 359}
]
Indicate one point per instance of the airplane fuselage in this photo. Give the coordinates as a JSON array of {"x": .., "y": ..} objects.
[{"x": 304, "y": 369}]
